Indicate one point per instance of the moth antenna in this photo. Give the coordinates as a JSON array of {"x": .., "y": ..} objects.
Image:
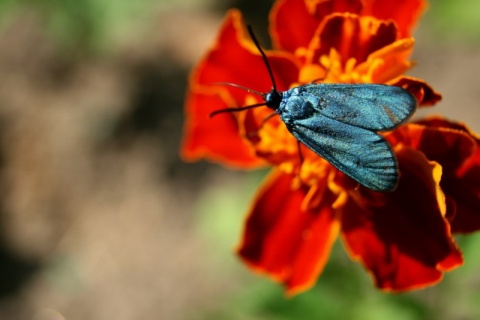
[
  {"x": 214, "y": 113},
  {"x": 258, "y": 93},
  {"x": 265, "y": 60}
]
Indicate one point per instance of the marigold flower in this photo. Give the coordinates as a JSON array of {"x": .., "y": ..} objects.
[{"x": 402, "y": 238}]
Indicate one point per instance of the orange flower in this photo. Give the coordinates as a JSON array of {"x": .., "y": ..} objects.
[{"x": 404, "y": 237}]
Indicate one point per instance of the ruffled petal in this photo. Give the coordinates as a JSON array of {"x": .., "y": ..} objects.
[
  {"x": 465, "y": 191},
  {"x": 459, "y": 154},
  {"x": 422, "y": 91},
  {"x": 405, "y": 13},
  {"x": 352, "y": 36},
  {"x": 449, "y": 147},
  {"x": 402, "y": 237},
  {"x": 322, "y": 8},
  {"x": 293, "y": 22},
  {"x": 284, "y": 242},
  {"x": 390, "y": 61}
]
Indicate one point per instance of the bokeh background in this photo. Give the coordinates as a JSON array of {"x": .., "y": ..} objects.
[{"x": 100, "y": 219}]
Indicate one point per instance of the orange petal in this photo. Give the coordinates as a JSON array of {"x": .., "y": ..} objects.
[
  {"x": 293, "y": 23},
  {"x": 390, "y": 61},
  {"x": 424, "y": 94},
  {"x": 214, "y": 138},
  {"x": 405, "y": 13},
  {"x": 402, "y": 237},
  {"x": 290, "y": 245},
  {"x": 351, "y": 36}
]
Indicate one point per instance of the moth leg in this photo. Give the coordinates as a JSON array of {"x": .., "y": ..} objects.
[
  {"x": 254, "y": 133},
  {"x": 316, "y": 80},
  {"x": 301, "y": 158},
  {"x": 320, "y": 79},
  {"x": 270, "y": 116},
  {"x": 300, "y": 154}
]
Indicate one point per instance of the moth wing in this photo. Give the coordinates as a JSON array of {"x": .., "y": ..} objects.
[
  {"x": 361, "y": 154},
  {"x": 370, "y": 106}
]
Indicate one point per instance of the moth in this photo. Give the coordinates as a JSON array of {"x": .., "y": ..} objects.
[{"x": 341, "y": 123}]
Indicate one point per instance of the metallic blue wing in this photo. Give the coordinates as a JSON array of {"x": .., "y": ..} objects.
[
  {"x": 359, "y": 153},
  {"x": 370, "y": 106}
]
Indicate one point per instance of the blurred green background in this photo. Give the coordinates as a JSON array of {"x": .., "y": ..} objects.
[{"x": 99, "y": 218}]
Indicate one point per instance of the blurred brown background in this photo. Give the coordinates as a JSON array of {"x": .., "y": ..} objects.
[{"x": 99, "y": 218}]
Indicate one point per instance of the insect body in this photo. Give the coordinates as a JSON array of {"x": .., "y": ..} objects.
[{"x": 340, "y": 123}]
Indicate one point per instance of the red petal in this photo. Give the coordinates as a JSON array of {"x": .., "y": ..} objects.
[
  {"x": 352, "y": 36},
  {"x": 291, "y": 25},
  {"x": 293, "y": 22},
  {"x": 462, "y": 182},
  {"x": 424, "y": 94},
  {"x": 235, "y": 59},
  {"x": 322, "y": 8},
  {"x": 214, "y": 138},
  {"x": 440, "y": 122},
  {"x": 405, "y": 13},
  {"x": 457, "y": 150},
  {"x": 288, "y": 244},
  {"x": 449, "y": 147},
  {"x": 402, "y": 237},
  {"x": 465, "y": 190}
]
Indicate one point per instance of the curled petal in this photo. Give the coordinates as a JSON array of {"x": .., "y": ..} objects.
[
  {"x": 284, "y": 242},
  {"x": 440, "y": 122},
  {"x": 322, "y": 8},
  {"x": 461, "y": 183},
  {"x": 465, "y": 191},
  {"x": 456, "y": 148},
  {"x": 390, "y": 61},
  {"x": 352, "y": 36},
  {"x": 293, "y": 23},
  {"x": 449, "y": 147},
  {"x": 405, "y": 242},
  {"x": 405, "y": 13},
  {"x": 424, "y": 94}
]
